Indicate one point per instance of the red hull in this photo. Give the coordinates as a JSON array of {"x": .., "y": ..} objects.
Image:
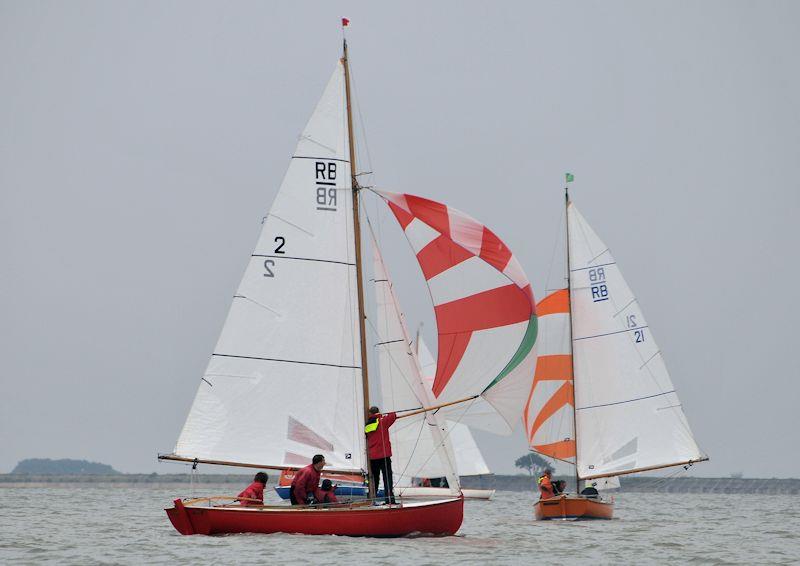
[
  {"x": 571, "y": 507},
  {"x": 433, "y": 518}
]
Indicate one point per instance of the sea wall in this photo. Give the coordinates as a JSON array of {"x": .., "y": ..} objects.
[
  {"x": 632, "y": 484},
  {"x": 650, "y": 484}
]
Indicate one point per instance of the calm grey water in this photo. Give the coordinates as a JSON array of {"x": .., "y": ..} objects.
[{"x": 127, "y": 525}]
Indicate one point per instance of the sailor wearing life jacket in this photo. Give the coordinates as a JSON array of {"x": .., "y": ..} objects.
[
  {"x": 545, "y": 485},
  {"x": 380, "y": 450}
]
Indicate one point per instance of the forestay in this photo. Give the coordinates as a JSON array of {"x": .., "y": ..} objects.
[
  {"x": 628, "y": 414},
  {"x": 549, "y": 416},
  {"x": 284, "y": 381},
  {"x": 484, "y": 307},
  {"x": 419, "y": 445}
]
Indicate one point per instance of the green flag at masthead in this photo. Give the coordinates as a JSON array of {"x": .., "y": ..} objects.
[{"x": 570, "y": 177}]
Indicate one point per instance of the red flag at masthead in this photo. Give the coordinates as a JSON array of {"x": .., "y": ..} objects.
[{"x": 345, "y": 22}]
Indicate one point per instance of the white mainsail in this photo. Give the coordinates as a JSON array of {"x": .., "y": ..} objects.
[
  {"x": 285, "y": 381},
  {"x": 419, "y": 445},
  {"x": 628, "y": 415}
]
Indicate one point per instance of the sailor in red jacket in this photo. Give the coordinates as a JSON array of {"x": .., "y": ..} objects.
[
  {"x": 326, "y": 492},
  {"x": 306, "y": 481},
  {"x": 254, "y": 494},
  {"x": 380, "y": 450}
]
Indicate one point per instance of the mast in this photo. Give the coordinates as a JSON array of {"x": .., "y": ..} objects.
[
  {"x": 571, "y": 352},
  {"x": 359, "y": 269}
]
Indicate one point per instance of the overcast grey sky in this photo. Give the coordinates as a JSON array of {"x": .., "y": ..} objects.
[{"x": 142, "y": 142}]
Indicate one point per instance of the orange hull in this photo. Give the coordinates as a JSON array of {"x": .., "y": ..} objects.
[{"x": 573, "y": 507}]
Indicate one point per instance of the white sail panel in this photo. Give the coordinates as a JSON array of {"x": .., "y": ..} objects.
[
  {"x": 419, "y": 445},
  {"x": 469, "y": 459},
  {"x": 292, "y": 335},
  {"x": 628, "y": 414}
]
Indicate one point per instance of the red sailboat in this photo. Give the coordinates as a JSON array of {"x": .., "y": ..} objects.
[
  {"x": 288, "y": 377},
  {"x": 196, "y": 517}
]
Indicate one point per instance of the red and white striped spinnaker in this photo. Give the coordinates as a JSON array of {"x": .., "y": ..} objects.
[{"x": 484, "y": 307}]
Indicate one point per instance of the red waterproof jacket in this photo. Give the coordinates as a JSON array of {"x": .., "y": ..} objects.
[
  {"x": 254, "y": 491},
  {"x": 305, "y": 481},
  {"x": 378, "y": 440},
  {"x": 326, "y": 496}
]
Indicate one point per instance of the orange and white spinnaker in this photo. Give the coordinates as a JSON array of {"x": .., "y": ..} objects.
[{"x": 549, "y": 415}]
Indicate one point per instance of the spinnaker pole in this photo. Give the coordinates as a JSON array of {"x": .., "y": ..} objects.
[{"x": 359, "y": 269}]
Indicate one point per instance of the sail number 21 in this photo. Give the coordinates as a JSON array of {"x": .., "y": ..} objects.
[{"x": 638, "y": 333}]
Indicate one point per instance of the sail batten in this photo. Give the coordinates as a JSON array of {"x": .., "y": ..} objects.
[{"x": 293, "y": 325}]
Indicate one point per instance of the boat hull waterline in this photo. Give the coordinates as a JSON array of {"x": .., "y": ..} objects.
[
  {"x": 571, "y": 508},
  {"x": 437, "y": 518}
]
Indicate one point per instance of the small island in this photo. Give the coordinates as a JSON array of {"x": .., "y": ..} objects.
[{"x": 64, "y": 467}]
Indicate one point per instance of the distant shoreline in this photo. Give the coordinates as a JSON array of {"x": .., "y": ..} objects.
[{"x": 518, "y": 483}]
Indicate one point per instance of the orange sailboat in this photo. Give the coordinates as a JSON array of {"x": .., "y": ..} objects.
[{"x": 602, "y": 399}]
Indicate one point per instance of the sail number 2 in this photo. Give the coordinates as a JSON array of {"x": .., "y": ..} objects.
[{"x": 269, "y": 264}]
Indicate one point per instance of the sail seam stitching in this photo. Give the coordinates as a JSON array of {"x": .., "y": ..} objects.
[
  {"x": 285, "y": 361},
  {"x": 610, "y": 334},
  {"x": 320, "y": 158},
  {"x": 593, "y": 266}
]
